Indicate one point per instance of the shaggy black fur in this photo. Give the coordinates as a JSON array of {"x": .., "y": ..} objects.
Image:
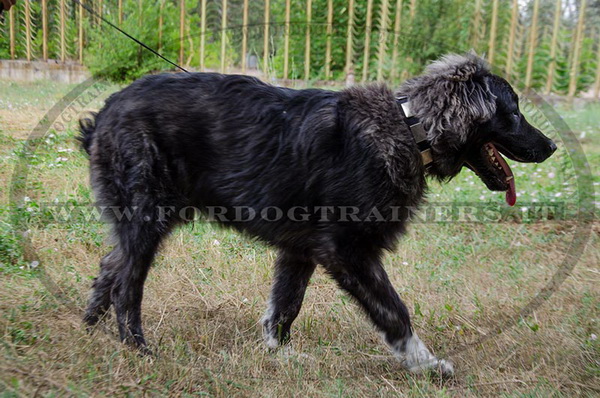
[{"x": 233, "y": 142}]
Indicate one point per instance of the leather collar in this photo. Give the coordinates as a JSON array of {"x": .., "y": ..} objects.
[{"x": 416, "y": 128}]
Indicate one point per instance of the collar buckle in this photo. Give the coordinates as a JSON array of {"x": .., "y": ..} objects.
[{"x": 416, "y": 129}]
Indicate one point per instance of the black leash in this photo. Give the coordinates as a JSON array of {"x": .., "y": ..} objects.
[{"x": 94, "y": 13}]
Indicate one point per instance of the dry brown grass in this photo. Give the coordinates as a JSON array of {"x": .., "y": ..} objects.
[{"x": 207, "y": 291}]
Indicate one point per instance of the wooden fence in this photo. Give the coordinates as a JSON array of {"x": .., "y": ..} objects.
[{"x": 373, "y": 32}]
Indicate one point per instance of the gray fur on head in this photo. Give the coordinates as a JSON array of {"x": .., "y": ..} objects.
[{"x": 451, "y": 98}]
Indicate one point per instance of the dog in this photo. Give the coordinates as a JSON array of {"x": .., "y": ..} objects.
[{"x": 349, "y": 159}]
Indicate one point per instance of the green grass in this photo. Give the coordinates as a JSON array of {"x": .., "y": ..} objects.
[{"x": 462, "y": 281}]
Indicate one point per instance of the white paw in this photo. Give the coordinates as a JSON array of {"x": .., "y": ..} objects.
[
  {"x": 416, "y": 358},
  {"x": 440, "y": 366},
  {"x": 270, "y": 341}
]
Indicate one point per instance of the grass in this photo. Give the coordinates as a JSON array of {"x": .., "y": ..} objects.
[{"x": 464, "y": 282}]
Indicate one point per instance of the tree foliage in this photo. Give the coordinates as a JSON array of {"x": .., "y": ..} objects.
[{"x": 430, "y": 29}]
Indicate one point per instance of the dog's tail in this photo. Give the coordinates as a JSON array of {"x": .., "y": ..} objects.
[{"x": 87, "y": 126}]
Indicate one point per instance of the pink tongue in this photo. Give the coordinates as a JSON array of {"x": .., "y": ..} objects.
[{"x": 511, "y": 193}]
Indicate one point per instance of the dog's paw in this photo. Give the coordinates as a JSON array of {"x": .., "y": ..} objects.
[
  {"x": 440, "y": 366},
  {"x": 416, "y": 358}
]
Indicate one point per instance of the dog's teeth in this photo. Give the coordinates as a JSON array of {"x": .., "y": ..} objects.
[{"x": 509, "y": 178}]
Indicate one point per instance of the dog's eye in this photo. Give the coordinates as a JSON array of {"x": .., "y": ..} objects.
[{"x": 516, "y": 114}]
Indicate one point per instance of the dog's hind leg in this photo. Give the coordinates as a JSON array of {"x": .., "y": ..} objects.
[
  {"x": 99, "y": 301},
  {"x": 138, "y": 242},
  {"x": 366, "y": 280},
  {"x": 292, "y": 274}
]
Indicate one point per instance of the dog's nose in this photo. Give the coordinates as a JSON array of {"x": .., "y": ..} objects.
[{"x": 552, "y": 147}]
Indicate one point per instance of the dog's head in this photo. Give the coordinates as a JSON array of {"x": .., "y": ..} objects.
[{"x": 472, "y": 117}]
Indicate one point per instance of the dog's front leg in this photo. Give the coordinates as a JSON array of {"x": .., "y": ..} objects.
[
  {"x": 292, "y": 273},
  {"x": 366, "y": 280}
]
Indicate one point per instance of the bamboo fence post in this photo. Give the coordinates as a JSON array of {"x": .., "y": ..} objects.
[
  {"x": 63, "y": 49},
  {"x": 27, "y": 10},
  {"x": 160, "y": 23},
  {"x": 266, "y": 37},
  {"x": 80, "y": 32},
  {"x": 45, "y": 30},
  {"x": 181, "y": 31},
  {"x": 100, "y": 8},
  {"x": 383, "y": 26},
  {"x": 412, "y": 13},
  {"x": 120, "y": 11},
  {"x": 202, "y": 33},
  {"x": 396, "y": 38},
  {"x": 368, "y": 28},
  {"x": 350, "y": 38},
  {"x": 511, "y": 38},
  {"x": 307, "y": 40},
  {"x": 532, "y": 43},
  {"x": 597, "y": 81},
  {"x": 140, "y": 23},
  {"x": 286, "y": 43},
  {"x": 553, "y": 45},
  {"x": 576, "y": 53},
  {"x": 492, "y": 43},
  {"x": 244, "y": 35},
  {"x": 11, "y": 24},
  {"x": 476, "y": 32},
  {"x": 223, "y": 34},
  {"x": 328, "y": 43}
]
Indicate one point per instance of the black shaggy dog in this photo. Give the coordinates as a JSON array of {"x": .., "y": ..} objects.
[{"x": 325, "y": 177}]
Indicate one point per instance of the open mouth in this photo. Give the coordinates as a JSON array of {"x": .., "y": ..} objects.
[{"x": 493, "y": 170}]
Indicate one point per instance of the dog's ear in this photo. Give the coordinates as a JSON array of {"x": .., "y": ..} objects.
[
  {"x": 452, "y": 97},
  {"x": 457, "y": 67}
]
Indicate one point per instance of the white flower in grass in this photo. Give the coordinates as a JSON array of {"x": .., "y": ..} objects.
[
  {"x": 34, "y": 264},
  {"x": 558, "y": 194},
  {"x": 26, "y": 199},
  {"x": 593, "y": 337},
  {"x": 404, "y": 263},
  {"x": 482, "y": 197},
  {"x": 457, "y": 189},
  {"x": 216, "y": 242},
  {"x": 551, "y": 175}
]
